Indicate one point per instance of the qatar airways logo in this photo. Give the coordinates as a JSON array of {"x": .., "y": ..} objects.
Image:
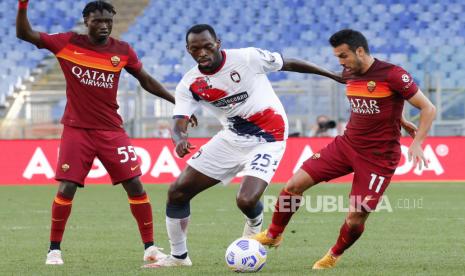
[
  {"x": 362, "y": 106},
  {"x": 93, "y": 77}
]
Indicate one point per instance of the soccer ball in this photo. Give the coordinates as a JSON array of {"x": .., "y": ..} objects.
[{"x": 245, "y": 255}]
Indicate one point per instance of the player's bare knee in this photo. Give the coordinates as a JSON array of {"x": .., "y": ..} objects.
[
  {"x": 246, "y": 202},
  {"x": 300, "y": 182},
  {"x": 176, "y": 194},
  {"x": 133, "y": 186},
  {"x": 67, "y": 188}
]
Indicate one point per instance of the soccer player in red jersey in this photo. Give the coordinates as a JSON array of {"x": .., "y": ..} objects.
[
  {"x": 92, "y": 64},
  {"x": 370, "y": 147}
]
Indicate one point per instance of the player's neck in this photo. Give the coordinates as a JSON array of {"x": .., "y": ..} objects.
[
  {"x": 367, "y": 64},
  {"x": 97, "y": 42}
]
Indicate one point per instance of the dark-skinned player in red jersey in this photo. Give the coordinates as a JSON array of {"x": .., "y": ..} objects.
[
  {"x": 92, "y": 64},
  {"x": 370, "y": 147}
]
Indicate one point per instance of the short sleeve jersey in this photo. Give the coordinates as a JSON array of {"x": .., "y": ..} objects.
[
  {"x": 377, "y": 100},
  {"x": 239, "y": 94},
  {"x": 92, "y": 74}
]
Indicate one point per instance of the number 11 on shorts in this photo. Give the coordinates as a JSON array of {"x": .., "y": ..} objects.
[{"x": 373, "y": 180}]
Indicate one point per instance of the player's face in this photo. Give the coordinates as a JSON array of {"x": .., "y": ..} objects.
[
  {"x": 350, "y": 60},
  {"x": 99, "y": 25},
  {"x": 205, "y": 50}
]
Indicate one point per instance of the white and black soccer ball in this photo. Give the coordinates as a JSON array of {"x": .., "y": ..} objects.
[{"x": 245, "y": 255}]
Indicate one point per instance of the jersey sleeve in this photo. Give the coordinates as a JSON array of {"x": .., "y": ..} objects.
[
  {"x": 263, "y": 61},
  {"x": 134, "y": 64},
  {"x": 54, "y": 42},
  {"x": 401, "y": 82},
  {"x": 185, "y": 105}
]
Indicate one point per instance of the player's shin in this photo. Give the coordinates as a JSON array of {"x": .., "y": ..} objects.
[
  {"x": 254, "y": 220},
  {"x": 141, "y": 209},
  {"x": 286, "y": 205},
  {"x": 348, "y": 235},
  {"x": 61, "y": 209},
  {"x": 177, "y": 220}
]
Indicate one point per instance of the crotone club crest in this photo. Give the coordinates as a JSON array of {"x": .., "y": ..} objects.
[
  {"x": 371, "y": 86},
  {"x": 115, "y": 60},
  {"x": 235, "y": 77}
]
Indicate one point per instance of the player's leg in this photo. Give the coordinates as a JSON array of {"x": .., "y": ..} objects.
[
  {"x": 74, "y": 162},
  {"x": 287, "y": 204},
  {"x": 371, "y": 178},
  {"x": 187, "y": 185},
  {"x": 329, "y": 163},
  {"x": 248, "y": 200},
  {"x": 118, "y": 156},
  {"x": 212, "y": 163},
  {"x": 258, "y": 164},
  {"x": 350, "y": 231},
  {"x": 61, "y": 209},
  {"x": 141, "y": 210}
]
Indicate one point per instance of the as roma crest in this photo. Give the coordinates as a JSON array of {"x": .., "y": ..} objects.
[
  {"x": 235, "y": 77},
  {"x": 115, "y": 60},
  {"x": 371, "y": 86}
]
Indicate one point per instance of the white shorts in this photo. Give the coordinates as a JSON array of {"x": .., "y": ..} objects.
[{"x": 220, "y": 160}]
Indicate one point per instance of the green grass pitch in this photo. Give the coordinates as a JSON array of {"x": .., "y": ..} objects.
[{"x": 102, "y": 237}]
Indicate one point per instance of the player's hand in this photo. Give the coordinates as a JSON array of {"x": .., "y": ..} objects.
[
  {"x": 415, "y": 153},
  {"x": 193, "y": 121},
  {"x": 410, "y": 127},
  {"x": 183, "y": 147}
]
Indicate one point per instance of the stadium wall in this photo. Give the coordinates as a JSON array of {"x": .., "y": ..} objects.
[{"x": 32, "y": 162}]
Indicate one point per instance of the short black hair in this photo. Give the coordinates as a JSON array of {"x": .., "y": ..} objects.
[
  {"x": 197, "y": 29},
  {"x": 350, "y": 37},
  {"x": 97, "y": 6}
]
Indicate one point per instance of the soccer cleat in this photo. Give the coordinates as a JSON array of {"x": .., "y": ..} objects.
[
  {"x": 54, "y": 257},
  {"x": 153, "y": 253},
  {"x": 264, "y": 239},
  {"x": 328, "y": 261},
  {"x": 169, "y": 261},
  {"x": 252, "y": 230}
]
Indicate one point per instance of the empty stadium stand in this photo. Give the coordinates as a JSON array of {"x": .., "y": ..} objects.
[{"x": 425, "y": 37}]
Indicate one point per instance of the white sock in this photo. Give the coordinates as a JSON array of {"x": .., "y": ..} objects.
[
  {"x": 177, "y": 233},
  {"x": 254, "y": 221}
]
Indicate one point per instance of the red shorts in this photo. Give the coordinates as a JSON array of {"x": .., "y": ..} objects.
[
  {"x": 80, "y": 146},
  {"x": 372, "y": 175}
]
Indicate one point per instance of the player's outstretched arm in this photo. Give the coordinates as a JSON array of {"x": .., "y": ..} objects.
[
  {"x": 301, "y": 66},
  {"x": 179, "y": 136},
  {"x": 427, "y": 114},
  {"x": 152, "y": 86},
  {"x": 23, "y": 28}
]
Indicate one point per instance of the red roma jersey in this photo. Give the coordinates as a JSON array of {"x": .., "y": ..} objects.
[
  {"x": 376, "y": 101},
  {"x": 92, "y": 74}
]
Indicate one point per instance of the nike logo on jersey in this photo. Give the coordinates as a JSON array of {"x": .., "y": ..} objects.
[
  {"x": 78, "y": 53},
  {"x": 134, "y": 168}
]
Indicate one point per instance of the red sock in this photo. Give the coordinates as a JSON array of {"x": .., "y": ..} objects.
[
  {"x": 142, "y": 212},
  {"x": 347, "y": 236},
  {"x": 61, "y": 208},
  {"x": 285, "y": 207}
]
